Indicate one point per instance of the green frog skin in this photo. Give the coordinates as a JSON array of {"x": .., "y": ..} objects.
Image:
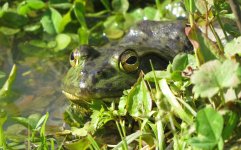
[{"x": 104, "y": 72}]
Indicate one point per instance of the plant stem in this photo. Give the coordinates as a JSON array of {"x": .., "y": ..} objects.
[
  {"x": 220, "y": 45},
  {"x": 191, "y": 17}
]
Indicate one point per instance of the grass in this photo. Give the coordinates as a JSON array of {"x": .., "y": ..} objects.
[{"x": 195, "y": 103}]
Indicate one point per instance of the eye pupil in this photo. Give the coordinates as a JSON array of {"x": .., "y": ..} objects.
[
  {"x": 72, "y": 56},
  {"x": 131, "y": 60}
]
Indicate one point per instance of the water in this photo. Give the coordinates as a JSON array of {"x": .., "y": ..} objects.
[{"x": 37, "y": 88}]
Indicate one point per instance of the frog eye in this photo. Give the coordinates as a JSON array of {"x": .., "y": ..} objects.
[
  {"x": 129, "y": 61},
  {"x": 74, "y": 58}
]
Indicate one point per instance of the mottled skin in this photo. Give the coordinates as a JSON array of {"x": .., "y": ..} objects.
[{"x": 99, "y": 75}]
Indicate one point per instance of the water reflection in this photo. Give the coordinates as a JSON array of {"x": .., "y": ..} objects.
[{"x": 36, "y": 88}]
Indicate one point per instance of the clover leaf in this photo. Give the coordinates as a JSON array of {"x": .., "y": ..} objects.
[{"x": 214, "y": 76}]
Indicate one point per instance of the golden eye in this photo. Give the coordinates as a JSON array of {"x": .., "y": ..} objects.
[
  {"x": 129, "y": 61},
  {"x": 74, "y": 58}
]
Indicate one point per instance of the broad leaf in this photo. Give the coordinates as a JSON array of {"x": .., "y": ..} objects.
[
  {"x": 63, "y": 41},
  {"x": 79, "y": 11},
  {"x": 209, "y": 128},
  {"x": 231, "y": 120},
  {"x": 113, "y": 33},
  {"x": 35, "y": 4},
  {"x": 233, "y": 47},
  {"x": 181, "y": 61},
  {"x": 47, "y": 23},
  {"x": 13, "y": 20},
  {"x": 139, "y": 102},
  {"x": 204, "y": 5},
  {"x": 9, "y": 31},
  {"x": 214, "y": 76},
  {"x": 56, "y": 19},
  {"x": 120, "y": 5},
  {"x": 65, "y": 20}
]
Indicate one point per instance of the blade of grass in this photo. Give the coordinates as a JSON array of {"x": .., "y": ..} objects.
[
  {"x": 8, "y": 84},
  {"x": 93, "y": 142},
  {"x": 129, "y": 139},
  {"x": 178, "y": 110}
]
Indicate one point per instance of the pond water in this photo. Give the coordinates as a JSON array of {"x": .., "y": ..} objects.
[{"x": 37, "y": 88}]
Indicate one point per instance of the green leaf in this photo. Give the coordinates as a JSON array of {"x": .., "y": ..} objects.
[
  {"x": 93, "y": 142},
  {"x": 35, "y": 4},
  {"x": 158, "y": 74},
  {"x": 122, "y": 105},
  {"x": 233, "y": 47},
  {"x": 3, "y": 119},
  {"x": 23, "y": 8},
  {"x": 231, "y": 28},
  {"x": 133, "y": 17},
  {"x": 9, "y": 82},
  {"x": 62, "y": 5},
  {"x": 209, "y": 124},
  {"x": 202, "y": 143},
  {"x": 151, "y": 13},
  {"x": 113, "y": 33},
  {"x": 130, "y": 138},
  {"x": 9, "y": 31},
  {"x": 38, "y": 43},
  {"x": 63, "y": 41},
  {"x": 56, "y": 19},
  {"x": 120, "y": 5},
  {"x": 47, "y": 23},
  {"x": 32, "y": 27},
  {"x": 205, "y": 49},
  {"x": 139, "y": 102},
  {"x": 51, "y": 44},
  {"x": 209, "y": 128},
  {"x": 65, "y": 20},
  {"x": 181, "y": 61},
  {"x": 41, "y": 121},
  {"x": 84, "y": 143},
  {"x": 29, "y": 122},
  {"x": 13, "y": 20},
  {"x": 4, "y": 8},
  {"x": 231, "y": 120},
  {"x": 203, "y": 6},
  {"x": 190, "y": 5},
  {"x": 83, "y": 35},
  {"x": 214, "y": 76},
  {"x": 172, "y": 100},
  {"x": 79, "y": 11},
  {"x": 109, "y": 22}
]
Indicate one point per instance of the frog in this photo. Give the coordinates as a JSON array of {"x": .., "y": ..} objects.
[{"x": 103, "y": 73}]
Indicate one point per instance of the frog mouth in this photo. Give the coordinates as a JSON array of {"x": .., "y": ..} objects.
[
  {"x": 70, "y": 96},
  {"x": 79, "y": 99}
]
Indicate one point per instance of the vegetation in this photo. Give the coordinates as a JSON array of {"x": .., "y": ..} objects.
[{"x": 196, "y": 100}]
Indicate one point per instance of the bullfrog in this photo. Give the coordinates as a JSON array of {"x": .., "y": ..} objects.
[{"x": 103, "y": 73}]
